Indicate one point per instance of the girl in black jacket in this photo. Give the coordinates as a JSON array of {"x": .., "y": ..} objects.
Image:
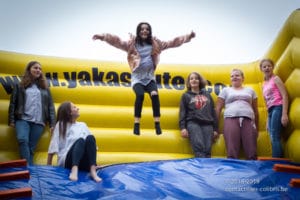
[{"x": 31, "y": 108}]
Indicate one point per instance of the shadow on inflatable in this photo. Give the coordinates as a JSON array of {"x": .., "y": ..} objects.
[{"x": 102, "y": 92}]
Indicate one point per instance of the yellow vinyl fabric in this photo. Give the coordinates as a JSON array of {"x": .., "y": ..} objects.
[{"x": 102, "y": 91}]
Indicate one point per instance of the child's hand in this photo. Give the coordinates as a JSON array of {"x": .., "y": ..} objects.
[
  {"x": 192, "y": 35},
  {"x": 216, "y": 136},
  {"x": 98, "y": 37},
  {"x": 184, "y": 133},
  {"x": 284, "y": 120}
]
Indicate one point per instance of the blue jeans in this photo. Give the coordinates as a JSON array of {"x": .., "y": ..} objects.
[
  {"x": 28, "y": 134},
  {"x": 275, "y": 127}
]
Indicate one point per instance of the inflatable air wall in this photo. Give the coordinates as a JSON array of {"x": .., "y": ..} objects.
[{"x": 105, "y": 98}]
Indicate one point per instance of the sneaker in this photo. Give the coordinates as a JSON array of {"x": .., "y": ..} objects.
[
  {"x": 157, "y": 128},
  {"x": 136, "y": 129}
]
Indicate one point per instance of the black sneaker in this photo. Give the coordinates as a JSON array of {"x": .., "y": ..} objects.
[
  {"x": 157, "y": 128},
  {"x": 136, "y": 129}
]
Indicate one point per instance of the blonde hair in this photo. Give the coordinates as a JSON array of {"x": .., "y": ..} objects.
[{"x": 238, "y": 70}]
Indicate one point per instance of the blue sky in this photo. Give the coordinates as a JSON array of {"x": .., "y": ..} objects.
[{"x": 227, "y": 31}]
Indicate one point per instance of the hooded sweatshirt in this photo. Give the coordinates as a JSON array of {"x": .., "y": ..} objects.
[{"x": 198, "y": 108}]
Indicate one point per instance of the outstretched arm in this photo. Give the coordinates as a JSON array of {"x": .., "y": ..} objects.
[
  {"x": 98, "y": 37},
  {"x": 176, "y": 42},
  {"x": 192, "y": 34},
  {"x": 112, "y": 40}
]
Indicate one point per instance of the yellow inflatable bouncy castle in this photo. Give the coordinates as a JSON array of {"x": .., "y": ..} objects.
[{"x": 103, "y": 93}]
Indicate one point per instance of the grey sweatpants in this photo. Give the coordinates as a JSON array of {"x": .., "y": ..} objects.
[{"x": 201, "y": 137}]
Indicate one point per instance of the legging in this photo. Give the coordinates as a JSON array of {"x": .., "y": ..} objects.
[
  {"x": 82, "y": 154},
  {"x": 139, "y": 90}
]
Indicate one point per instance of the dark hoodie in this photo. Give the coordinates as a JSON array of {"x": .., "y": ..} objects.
[{"x": 198, "y": 108}]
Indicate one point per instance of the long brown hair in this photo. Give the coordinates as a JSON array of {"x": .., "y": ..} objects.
[
  {"x": 202, "y": 81},
  {"x": 28, "y": 79},
  {"x": 64, "y": 117},
  {"x": 138, "y": 38}
]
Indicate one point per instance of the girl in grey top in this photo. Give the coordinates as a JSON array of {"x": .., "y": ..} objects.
[
  {"x": 143, "y": 53},
  {"x": 31, "y": 108},
  {"x": 240, "y": 117}
]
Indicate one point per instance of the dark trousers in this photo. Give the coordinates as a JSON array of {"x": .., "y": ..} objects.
[
  {"x": 139, "y": 90},
  {"x": 201, "y": 137},
  {"x": 82, "y": 154},
  {"x": 240, "y": 131}
]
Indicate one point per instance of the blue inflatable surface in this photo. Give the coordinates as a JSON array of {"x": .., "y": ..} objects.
[{"x": 179, "y": 179}]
